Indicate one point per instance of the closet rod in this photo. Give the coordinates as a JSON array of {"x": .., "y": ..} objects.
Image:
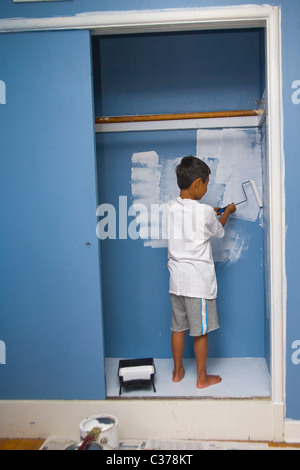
[{"x": 175, "y": 117}]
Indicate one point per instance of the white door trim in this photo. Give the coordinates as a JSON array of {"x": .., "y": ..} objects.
[{"x": 121, "y": 22}]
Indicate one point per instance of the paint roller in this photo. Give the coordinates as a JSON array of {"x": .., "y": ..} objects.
[{"x": 255, "y": 191}]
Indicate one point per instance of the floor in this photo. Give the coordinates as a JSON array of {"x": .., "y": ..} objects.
[
  {"x": 241, "y": 378},
  {"x": 21, "y": 444},
  {"x": 59, "y": 444}
]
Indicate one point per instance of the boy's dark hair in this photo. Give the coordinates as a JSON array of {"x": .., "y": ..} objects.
[{"x": 189, "y": 169}]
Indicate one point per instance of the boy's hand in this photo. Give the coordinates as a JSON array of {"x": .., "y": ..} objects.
[{"x": 231, "y": 208}]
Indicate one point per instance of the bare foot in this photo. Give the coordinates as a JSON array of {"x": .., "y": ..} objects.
[
  {"x": 177, "y": 377},
  {"x": 209, "y": 380}
]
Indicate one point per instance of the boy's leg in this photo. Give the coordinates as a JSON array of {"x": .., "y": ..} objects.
[
  {"x": 177, "y": 343},
  {"x": 201, "y": 350}
]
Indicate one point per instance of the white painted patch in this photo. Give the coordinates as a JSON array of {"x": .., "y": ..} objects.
[
  {"x": 145, "y": 178},
  {"x": 145, "y": 191},
  {"x": 234, "y": 156},
  {"x": 152, "y": 184}
]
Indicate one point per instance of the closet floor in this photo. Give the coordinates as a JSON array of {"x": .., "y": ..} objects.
[{"x": 241, "y": 378}]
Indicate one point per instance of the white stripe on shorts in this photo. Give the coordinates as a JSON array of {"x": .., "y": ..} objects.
[{"x": 203, "y": 313}]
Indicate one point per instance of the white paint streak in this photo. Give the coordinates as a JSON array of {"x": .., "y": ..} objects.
[{"x": 231, "y": 247}]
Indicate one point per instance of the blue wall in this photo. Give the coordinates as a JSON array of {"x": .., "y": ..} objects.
[
  {"x": 291, "y": 118},
  {"x": 22, "y": 146},
  {"x": 173, "y": 73},
  {"x": 183, "y": 72}
]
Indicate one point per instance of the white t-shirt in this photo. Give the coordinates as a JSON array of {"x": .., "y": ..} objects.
[{"x": 189, "y": 227}]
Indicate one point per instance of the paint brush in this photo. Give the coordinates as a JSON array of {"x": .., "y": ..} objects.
[
  {"x": 256, "y": 194},
  {"x": 91, "y": 436}
]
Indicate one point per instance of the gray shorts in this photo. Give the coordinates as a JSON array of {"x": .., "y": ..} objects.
[{"x": 200, "y": 316}]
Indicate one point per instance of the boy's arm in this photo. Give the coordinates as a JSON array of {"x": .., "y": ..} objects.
[{"x": 229, "y": 210}]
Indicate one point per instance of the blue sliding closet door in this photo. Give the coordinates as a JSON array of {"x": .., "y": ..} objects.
[{"x": 50, "y": 303}]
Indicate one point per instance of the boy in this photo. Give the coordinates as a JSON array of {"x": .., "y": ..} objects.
[{"x": 193, "y": 287}]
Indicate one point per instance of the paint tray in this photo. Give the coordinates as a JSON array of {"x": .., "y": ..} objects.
[{"x": 136, "y": 373}]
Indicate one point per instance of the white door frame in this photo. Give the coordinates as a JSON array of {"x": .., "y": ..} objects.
[{"x": 246, "y": 16}]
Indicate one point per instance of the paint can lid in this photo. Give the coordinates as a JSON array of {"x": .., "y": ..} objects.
[{"x": 105, "y": 422}]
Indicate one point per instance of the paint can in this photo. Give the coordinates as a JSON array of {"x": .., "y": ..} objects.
[{"x": 108, "y": 436}]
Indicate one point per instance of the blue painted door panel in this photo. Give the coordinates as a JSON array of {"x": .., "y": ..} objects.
[{"x": 50, "y": 283}]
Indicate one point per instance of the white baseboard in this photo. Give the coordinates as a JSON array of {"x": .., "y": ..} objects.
[
  {"x": 292, "y": 431},
  {"x": 199, "y": 419}
]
